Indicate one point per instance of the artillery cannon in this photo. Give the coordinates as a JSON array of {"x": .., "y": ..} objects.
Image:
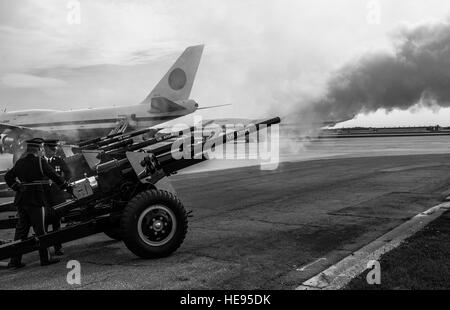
[{"x": 121, "y": 189}]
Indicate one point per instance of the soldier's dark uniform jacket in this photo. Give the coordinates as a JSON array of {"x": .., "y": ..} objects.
[
  {"x": 54, "y": 194},
  {"x": 28, "y": 171},
  {"x": 27, "y": 178}
]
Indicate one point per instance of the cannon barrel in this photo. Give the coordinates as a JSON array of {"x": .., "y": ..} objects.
[
  {"x": 222, "y": 139},
  {"x": 130, "y": 147},
  {"x": 94, "y": 141},
  {"x": 110, "y": 139},
  {"x": 125, "y": 136},
  {"x": 167, "y": 155},
  {"x": 117, "y": 145},
  {"x": 144, "y": 144},
  {"x": 112, "y": 173}
]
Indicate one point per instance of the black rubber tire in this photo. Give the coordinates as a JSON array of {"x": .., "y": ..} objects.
[
  {"x": 130, "y": 218},
  {"x": 113, "y": 233}
]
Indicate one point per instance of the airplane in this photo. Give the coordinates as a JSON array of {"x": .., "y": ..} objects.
[{"x": 167, "y": 101}]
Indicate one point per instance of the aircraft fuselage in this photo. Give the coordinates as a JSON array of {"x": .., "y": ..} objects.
[{"x": 87, "y": 123}]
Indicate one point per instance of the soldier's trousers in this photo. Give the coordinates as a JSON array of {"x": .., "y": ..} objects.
[
  {"x": 30, "y": 217},
  {"x": 54, "y": 196},
  {"x": 54, "y": 220}
]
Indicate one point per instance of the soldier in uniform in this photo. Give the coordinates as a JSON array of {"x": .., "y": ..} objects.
[
  {"x": 27, "y": 179},
  {"x": 53, "y": 193}
]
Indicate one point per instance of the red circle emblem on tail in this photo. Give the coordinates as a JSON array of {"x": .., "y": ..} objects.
[{"x": 177, "y": 79}]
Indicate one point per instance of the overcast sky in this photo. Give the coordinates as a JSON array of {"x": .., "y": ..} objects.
[{"x": 260, "y": 55}]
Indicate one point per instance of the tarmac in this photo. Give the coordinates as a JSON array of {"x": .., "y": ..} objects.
[{"x": 255, "y": 229}]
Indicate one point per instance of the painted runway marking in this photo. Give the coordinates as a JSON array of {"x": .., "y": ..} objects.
[
  {"x": 341, "y": 273},
  {"x": 311, "y": 264}
]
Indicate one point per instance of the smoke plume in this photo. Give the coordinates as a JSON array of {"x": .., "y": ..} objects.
[{"x": 417, "y": 72}]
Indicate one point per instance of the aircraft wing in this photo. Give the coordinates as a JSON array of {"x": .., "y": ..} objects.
[
  {"x": 17, "y": 129},
  {"x": 334, "y": 122},
  {"x": 229, "y": 121},
  {"x": 209, "y": 127},
  {"x": 206, "y": 123},
  {"x": 4, "y": 126},
  {"x": 10, "y": 132}
]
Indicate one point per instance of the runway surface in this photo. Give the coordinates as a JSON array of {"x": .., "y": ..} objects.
[{"x": 256, "y": 229}]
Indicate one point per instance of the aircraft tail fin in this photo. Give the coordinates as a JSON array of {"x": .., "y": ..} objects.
[{"x": 177, "y": 83}]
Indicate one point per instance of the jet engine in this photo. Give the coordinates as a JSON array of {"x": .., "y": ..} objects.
[{"x": 7, "y": 140}]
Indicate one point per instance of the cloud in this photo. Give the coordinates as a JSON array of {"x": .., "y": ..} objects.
[
  {"x": 255, "y": 50},
  {"x": 20, "y": 80}
]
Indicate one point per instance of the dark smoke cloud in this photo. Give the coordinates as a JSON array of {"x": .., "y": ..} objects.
[{"x": 417, "y": 72}]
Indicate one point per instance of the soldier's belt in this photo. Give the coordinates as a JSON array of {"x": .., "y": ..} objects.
[{"x": 36, "y": 183}]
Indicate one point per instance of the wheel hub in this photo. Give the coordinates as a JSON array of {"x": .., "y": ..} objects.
[{"x": 156, "y": 225}]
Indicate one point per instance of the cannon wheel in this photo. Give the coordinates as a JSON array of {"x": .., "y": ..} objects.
[{"x": 153, "y": 224}]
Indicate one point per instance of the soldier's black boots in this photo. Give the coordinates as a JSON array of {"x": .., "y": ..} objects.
[
  {"x": 59, "y": 252},
  {"x": 15, "y": 265},
  {"x": 50, "y": 261}
]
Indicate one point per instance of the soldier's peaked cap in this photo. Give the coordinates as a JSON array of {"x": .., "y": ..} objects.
[
  {"x": 35, "y": 142},
  {"x": 51, "y": 143}
]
